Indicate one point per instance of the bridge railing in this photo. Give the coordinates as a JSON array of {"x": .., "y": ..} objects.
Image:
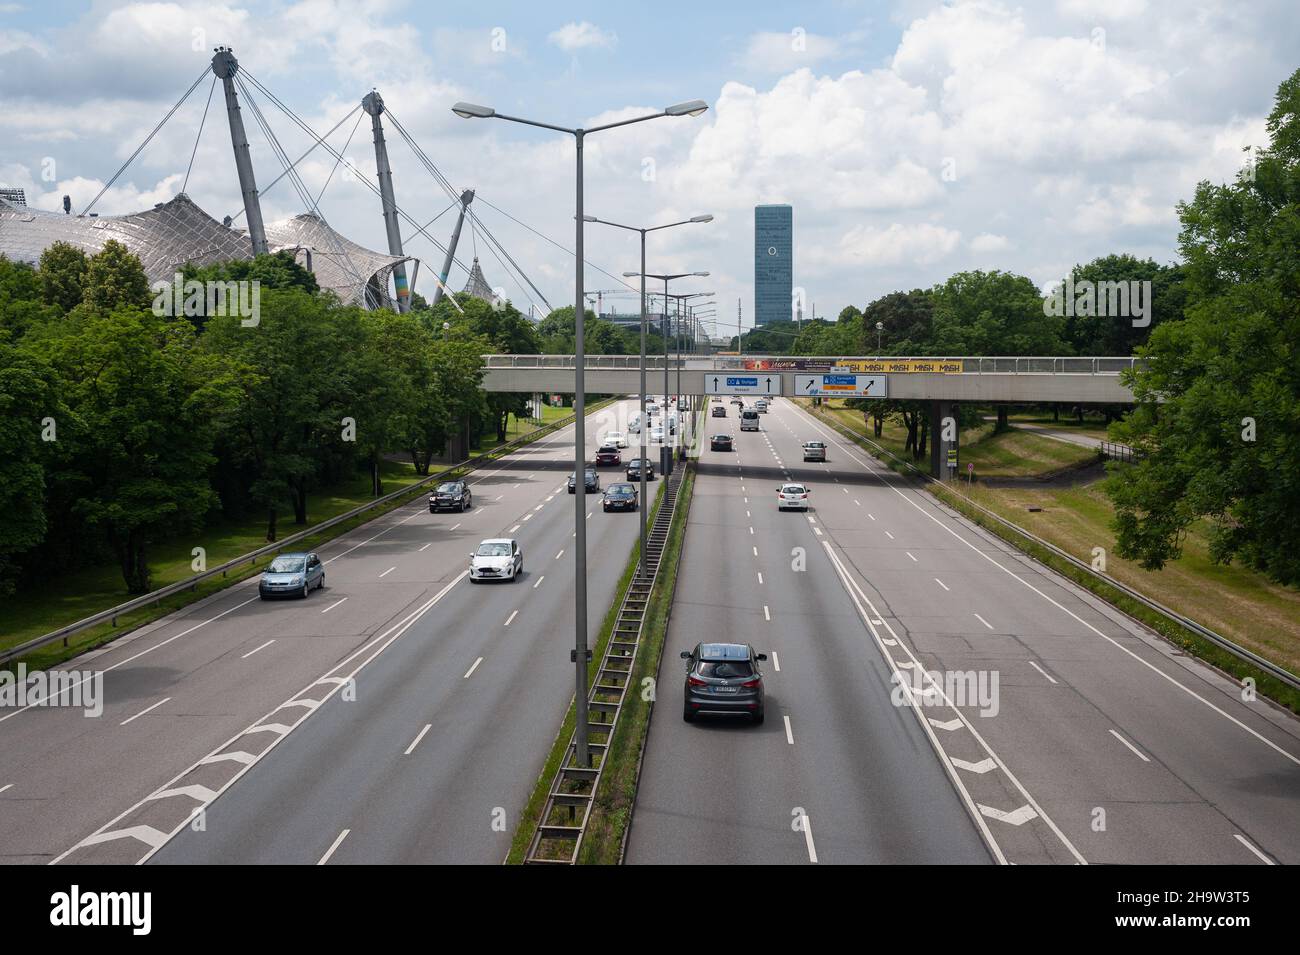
[{"x": 985, "y": 365}]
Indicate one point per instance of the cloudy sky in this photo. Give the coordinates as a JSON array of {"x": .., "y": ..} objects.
[{"x": 914, "y": 139}]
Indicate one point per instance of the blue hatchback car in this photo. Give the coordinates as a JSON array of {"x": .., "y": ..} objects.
[{"x": 292, "y": 575}]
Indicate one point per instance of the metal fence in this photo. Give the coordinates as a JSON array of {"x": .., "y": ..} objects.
[
  {"x": 991, "y": 365},
  {"x": 251, "y": 558}
]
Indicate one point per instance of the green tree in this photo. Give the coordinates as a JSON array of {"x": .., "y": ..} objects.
[
  {"x": 63, "y": 275},
  {"x": 992, "y": 313},
  {"x": 21, "y": 307},
  {"x": 1117, "y": 335},
  {"x": 28, "y": 406},
  {"x": 115, "y": 278},
  {"x": 1217, "y": 424}
]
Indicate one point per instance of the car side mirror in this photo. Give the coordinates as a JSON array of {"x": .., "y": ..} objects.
[
  {"x": 685, "y": 654},
  {"x": 762, "y": 656}
]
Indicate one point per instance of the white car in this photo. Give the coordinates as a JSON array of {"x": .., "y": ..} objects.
[
  {"x": 617, "y": 439},
  {"x": 657, "y": 435},
  {"x": 634, "y": 426},
  {"x": 792, "y": 497},
  {"x": 498, "y": 558},
  {"x": 651, "y": 408}
]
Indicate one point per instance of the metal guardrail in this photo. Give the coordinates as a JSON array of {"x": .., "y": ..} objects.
[
  {"x": 572, "y": 791},
  {"x": 1222, "y": 642},
  {"x": 1117, "y": 452},
  {"x": 190, "y": 583},
  {"x": 990, "y": 365}
]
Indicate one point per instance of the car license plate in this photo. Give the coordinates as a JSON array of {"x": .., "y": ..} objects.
[{"x": 725, "y": 689}]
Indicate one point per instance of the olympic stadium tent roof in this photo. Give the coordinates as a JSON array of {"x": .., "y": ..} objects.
[{"x": 174, "y": 233}]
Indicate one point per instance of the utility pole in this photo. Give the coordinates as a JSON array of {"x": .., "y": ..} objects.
[
  {"x": 373, "y": 104},
  {"x": 740, "y": 341},
  {"x": 225, "y": 66}
]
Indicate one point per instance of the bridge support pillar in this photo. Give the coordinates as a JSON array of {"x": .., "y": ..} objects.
[{"x": 943, "y": 438}]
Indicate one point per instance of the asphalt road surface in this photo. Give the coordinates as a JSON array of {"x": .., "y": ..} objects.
[{"x": 1097, "y": 743}]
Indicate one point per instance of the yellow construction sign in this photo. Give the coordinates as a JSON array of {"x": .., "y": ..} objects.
[{"x": 903, "y": 366}]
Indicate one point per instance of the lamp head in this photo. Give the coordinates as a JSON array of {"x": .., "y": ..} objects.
[
  {"x": 692, "y": 108},
  {"x": 471, "y": 111}
]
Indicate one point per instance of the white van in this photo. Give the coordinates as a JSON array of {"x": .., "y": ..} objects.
[{"x": 748, "y": 420}]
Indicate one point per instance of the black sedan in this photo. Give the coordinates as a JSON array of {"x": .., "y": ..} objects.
[
  {"x": 723, "y": 678},
  {"x": 619, "y": 497},
  {"x": 720, "y": 442},
  {"x": 634, "y": 469},
  {"x": 591, "y": 480},
  {"x": 451, "y": 496}
]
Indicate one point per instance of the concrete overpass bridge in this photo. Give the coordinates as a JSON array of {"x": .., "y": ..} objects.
[{"x": 941, "y": 381}]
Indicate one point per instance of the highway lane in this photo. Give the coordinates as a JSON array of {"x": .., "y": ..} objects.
[
  {"x": 1106, "y": 745},
  {"x": 836, "y": 773},
  {"x": 204, "y": 673},
  {"x": 434, "y": 759}
]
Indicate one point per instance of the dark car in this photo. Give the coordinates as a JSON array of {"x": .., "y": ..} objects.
[
  {"x": 608, "y": 454},
  {"x": 634, "y": 469},
  {"x": 723, "y": 678},
  {"x": 590, "y": 479},
  {"x": 291, "y": 575},
  {"x": 720, "y": 442},
  {"x": 451, "y": 496},
  {"x": 619, "y": 497},
  {"x": 719, "y": 411}
]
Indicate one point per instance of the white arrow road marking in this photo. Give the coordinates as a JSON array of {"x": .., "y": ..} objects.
[
  {"x": 1016, "y": 817},
  {"x": 948, "y": 725},
  {"x": 982, "y": 767}
]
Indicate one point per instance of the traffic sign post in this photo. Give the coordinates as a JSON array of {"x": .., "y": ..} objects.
[
  {"x": 763, "y": 383},
  {"x": 841, "y": 386}
]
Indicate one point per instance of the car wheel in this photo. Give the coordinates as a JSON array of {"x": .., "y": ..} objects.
[
  {"x": 321, "y": 585},
  {"x": 687, "y": 715},
  {"x": 757, "y": 717},
  {"x": 305, "y": 590}
]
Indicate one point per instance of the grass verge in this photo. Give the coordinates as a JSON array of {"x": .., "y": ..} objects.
[
  {"x": 532, "y": 812},
  {"x": 1184, "y": 586},
  {"x": 24, "y": 623}
]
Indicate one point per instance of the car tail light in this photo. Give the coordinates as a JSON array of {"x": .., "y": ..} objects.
[
  {"x": 753, "y": 684},
  {"x": 696, "y": 681}
]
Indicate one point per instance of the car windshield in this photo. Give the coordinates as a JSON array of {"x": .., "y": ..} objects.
[
  {"x": 793, "y": 489},
  {"x": 451, "y": 487},
  {"x": 608, "y": 449},
  {"x": 725, "y": 669},
  {"x": 494, "y": 549},
  {"x": 287, "y": 565},
  {"x": 619, "y": 490}
]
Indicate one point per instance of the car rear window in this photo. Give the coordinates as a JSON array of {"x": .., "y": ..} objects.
[
  {"x": 725, "y": 669},
  {"x": 793, "y": 489}
]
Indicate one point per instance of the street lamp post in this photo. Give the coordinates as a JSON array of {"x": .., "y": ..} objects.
[
  {"x": 643, "y": 506},
  {"x": 880, "y": 327},
  {"x": 580, "y": 651},
  {"x": 677, "y": 338}
]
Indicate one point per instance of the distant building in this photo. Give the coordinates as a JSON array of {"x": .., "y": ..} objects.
[
  {"x": 15, "y": 197},
  {"x": 773, "y": 263}
]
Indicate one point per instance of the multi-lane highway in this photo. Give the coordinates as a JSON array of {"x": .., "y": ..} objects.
[
  {"x": 400, "y": 704},
  {"x": 1052, "y": 728}
]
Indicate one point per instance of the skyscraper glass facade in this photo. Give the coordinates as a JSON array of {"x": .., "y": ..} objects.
[{"x": 773, "y": 263}]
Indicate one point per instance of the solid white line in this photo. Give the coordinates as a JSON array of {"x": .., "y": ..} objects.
[
  {"x": 334, "y": 604},
  {"x": 808, "y": 838},
  {"x": 983, "y": 621},
  {"x": 539, "y": 581},
  {"x": 509, "y": 619},
  {"x": 418, "y": 736},
  {"x": 789, "y": 733},
  {"x": 1042, "y": 671},
  {"x": 767, "y": 615},
  {"x": 62, "y": 690},
  {"x": 388, "y": 571},
  {"x": 776, "y": 662},
  {"x": 337, "y": 842},
  {"x": 425, "y": 547},
  {"x": 1111, "y": 640},
  {"x": 1265, "y": 859},
  {"x": 941, "y": 583},
  {"x": 472, "y": 669},
  {"x": 144, "y": 711},
  {"x": 513, "y": 529},
  {"x": 1137, "y": 752},
  {"x": 262, "y": 647}
]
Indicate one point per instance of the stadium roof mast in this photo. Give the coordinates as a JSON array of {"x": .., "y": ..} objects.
[
  {"x": 466, "y": 198},
  {"x": 373, "y": 104},
  {"x": 225, "y": 66}
]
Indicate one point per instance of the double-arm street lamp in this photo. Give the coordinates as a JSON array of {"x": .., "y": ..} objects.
[
  {"x": 665, "y": 453},
  {"x": 580, "y": 652},
  {"x": 677, "y": 337},
  {"x": 644, "y": 505}
]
